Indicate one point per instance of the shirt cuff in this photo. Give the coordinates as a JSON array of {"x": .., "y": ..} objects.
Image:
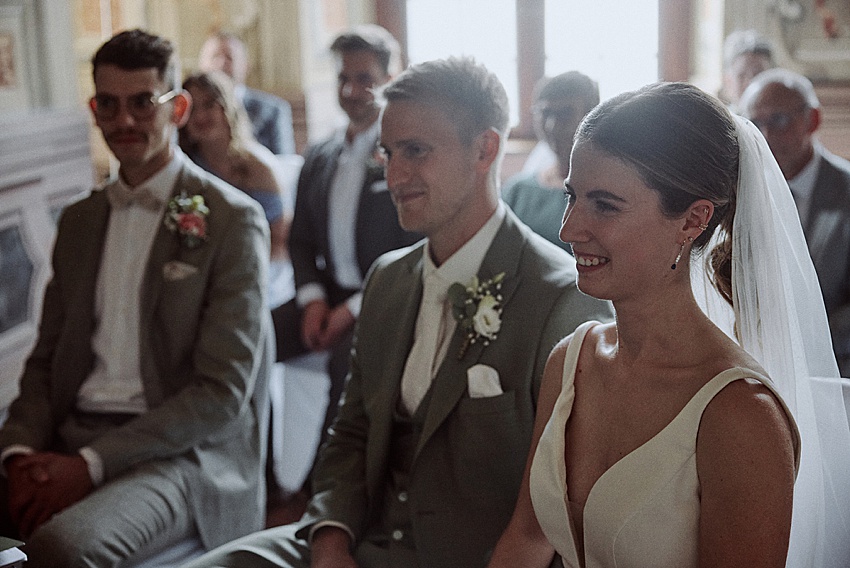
[
  {"x": 310, "y": 293},
  {"x": 13, "y": 450},
  {"x": 353, "y": 304},
  {"x": 336, "y": 524},
  {"x": 94, "y": 464}
]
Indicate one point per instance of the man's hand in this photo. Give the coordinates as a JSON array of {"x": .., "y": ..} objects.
[
  {"x": 313, "y": 324},
  {"x": 339, "y": 322},
  {"x": 331, "y": 548},
  {"x": 42, "y": 484}
]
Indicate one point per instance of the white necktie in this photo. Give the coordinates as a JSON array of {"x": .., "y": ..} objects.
[{"x": 420, "y": 368}]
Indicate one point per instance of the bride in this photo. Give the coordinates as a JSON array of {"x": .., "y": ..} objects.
[{"x": 673, "y": 437}]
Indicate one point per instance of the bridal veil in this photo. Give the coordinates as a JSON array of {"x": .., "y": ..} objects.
[{"x": 779, "y": 318}]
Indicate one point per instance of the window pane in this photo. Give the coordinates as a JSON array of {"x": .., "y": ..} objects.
[
  {"x": 484, "y": 29},
  {"x": 612, "y": 41}
]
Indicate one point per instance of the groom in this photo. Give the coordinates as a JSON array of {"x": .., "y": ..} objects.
[{"x": 424, "y": 461}]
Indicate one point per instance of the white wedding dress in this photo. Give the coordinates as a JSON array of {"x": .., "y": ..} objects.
[{"x": 644, "y": 510}]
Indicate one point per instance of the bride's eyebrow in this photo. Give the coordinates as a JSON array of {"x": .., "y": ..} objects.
[{"x": 604, "y": 194}]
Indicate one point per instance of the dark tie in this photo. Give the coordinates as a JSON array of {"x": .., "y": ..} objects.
[{"x": 120, "y": 196}]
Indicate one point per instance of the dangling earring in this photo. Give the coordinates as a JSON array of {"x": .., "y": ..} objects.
[{"x": 681, "y": 251}]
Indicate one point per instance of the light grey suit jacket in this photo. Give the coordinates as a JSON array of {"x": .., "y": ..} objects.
[
  {"x": 204, "y": 355},
  {"x": 470, "y": 458},
  {"x": 827, "y": 230}
]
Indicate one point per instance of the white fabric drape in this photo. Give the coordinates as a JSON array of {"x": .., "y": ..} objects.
[{"x": 779, "y": 318}]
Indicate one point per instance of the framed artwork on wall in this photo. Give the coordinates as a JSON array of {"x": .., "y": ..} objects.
[{"x": 15, "y": 87}]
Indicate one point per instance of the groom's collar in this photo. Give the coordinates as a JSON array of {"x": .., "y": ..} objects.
[{"x": 466, "y": 261}]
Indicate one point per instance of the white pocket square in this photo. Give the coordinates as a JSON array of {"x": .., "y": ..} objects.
[
  {"x": 177, "y": 270},
  {"x": 483, "y": 381},
  {"x": 379, "y": 186}
]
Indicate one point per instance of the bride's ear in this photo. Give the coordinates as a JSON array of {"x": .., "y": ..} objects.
[{"x": 697, "y": 217}]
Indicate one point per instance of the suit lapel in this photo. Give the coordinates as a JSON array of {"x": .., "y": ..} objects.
[
  {"x": 86, "y": 270},
  {"x": 405, "y": 296},
  {"x": 825, "y": 211},
  {"x": 450, "y": 382},
  {"x": 165, "y": 247}
]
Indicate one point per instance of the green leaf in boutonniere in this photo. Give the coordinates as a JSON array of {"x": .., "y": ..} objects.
[{"x": 477, "y": 308}]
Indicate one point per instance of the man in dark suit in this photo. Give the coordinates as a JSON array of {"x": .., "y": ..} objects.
[
  {"x": 141, "y": 414},
  {"x": 344, "y": 215},
  {"x": 783, "y": 104},
  {"x": 271, "y": 116},
  {"x": 425, "y": 458}
]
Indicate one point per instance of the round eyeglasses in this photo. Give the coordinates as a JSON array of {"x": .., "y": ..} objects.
[{"x": 141, "y": 106}]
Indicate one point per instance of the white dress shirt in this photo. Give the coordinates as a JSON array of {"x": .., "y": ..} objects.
[
  {"x": 461, "y": 267},
  {"x": 115, "y": 383},
  {"x": 343, "y": 203}
]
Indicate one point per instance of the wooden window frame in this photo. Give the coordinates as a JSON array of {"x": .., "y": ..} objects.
[{"x": 674, "y": 45}]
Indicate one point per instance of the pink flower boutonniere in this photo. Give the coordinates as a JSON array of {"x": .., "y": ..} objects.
[
  {"x": 477, "y": 307},
  {"x": 187, "y": 217}
]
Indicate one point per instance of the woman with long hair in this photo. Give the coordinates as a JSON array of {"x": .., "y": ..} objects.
[{"x": 672, "y": 437}]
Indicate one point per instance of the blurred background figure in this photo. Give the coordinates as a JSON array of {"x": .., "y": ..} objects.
[
  {"x": 537, "y": 197},
  {"x": 746, "y": 53},
  {"x": 784, "y": 106},
  {"x": 270, "y": 116},
  {"x": 218, "y": 138}
]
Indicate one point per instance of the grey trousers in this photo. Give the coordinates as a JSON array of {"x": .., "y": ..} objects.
[{"x": 131, "y": 517}]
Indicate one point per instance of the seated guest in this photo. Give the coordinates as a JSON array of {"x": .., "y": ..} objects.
[
  {"x": 559, "y": 105},
  {"x": 344, "y": 215},
  {"x": 746, "y": 53},
  {"x": 784, "y": 106},
  {"x": 425, "y": 457},
  {"x": 270, "y": 116},
  {"x": 141, "y": 414},
  {"x": 663, "y": 439},
  {"x": 218, "y": 138}
]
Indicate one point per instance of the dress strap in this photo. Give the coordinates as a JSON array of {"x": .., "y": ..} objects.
[{"x": 573, "y": 350}]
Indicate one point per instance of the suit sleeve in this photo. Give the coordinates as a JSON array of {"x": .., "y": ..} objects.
[
  {"x": 277, "y": 129},
  {"x": 303, "y": 248},
  {"x": 339, "y": 481},
  {"x": 226, "y": 357},
  {"x": 571, "y": 309}
]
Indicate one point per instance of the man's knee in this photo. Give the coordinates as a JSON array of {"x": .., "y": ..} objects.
[{"x": 69, "y": 544}]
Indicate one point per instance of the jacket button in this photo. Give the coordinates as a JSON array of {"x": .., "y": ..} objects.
[{"x": 397, "y": 535}]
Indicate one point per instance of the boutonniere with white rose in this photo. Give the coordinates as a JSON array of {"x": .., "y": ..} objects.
[
  {"x": 186, "y": 216},
  {"x": 477, "y": 307}
]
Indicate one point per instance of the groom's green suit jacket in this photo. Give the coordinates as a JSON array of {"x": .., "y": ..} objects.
[
  {"x": 203, "y": 348},
  {"x": 471, "y": 454}
]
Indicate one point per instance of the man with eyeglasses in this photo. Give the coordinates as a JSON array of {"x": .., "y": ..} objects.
[
  {"x": 537, "y": 197},
  {"x": 784, "y": 106},
  {"x": 141, "y": 415}
]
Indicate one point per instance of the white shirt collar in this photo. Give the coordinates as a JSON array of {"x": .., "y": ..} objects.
[
  {"x": 465, "y": 263},
  {"x": 161, "y": 184}
]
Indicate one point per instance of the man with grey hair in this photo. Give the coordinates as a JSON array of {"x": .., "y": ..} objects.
[
  {"x": 785, "y": 107},
  {"x": 746, "y": 53},
  {"x": 424, "y": 461}
]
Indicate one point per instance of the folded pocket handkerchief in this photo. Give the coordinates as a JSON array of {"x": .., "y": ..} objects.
[
  {"x": 379, "y": 186},
  {"x": 483, "y": 381},
  {"x": 177, "y": 270}
]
